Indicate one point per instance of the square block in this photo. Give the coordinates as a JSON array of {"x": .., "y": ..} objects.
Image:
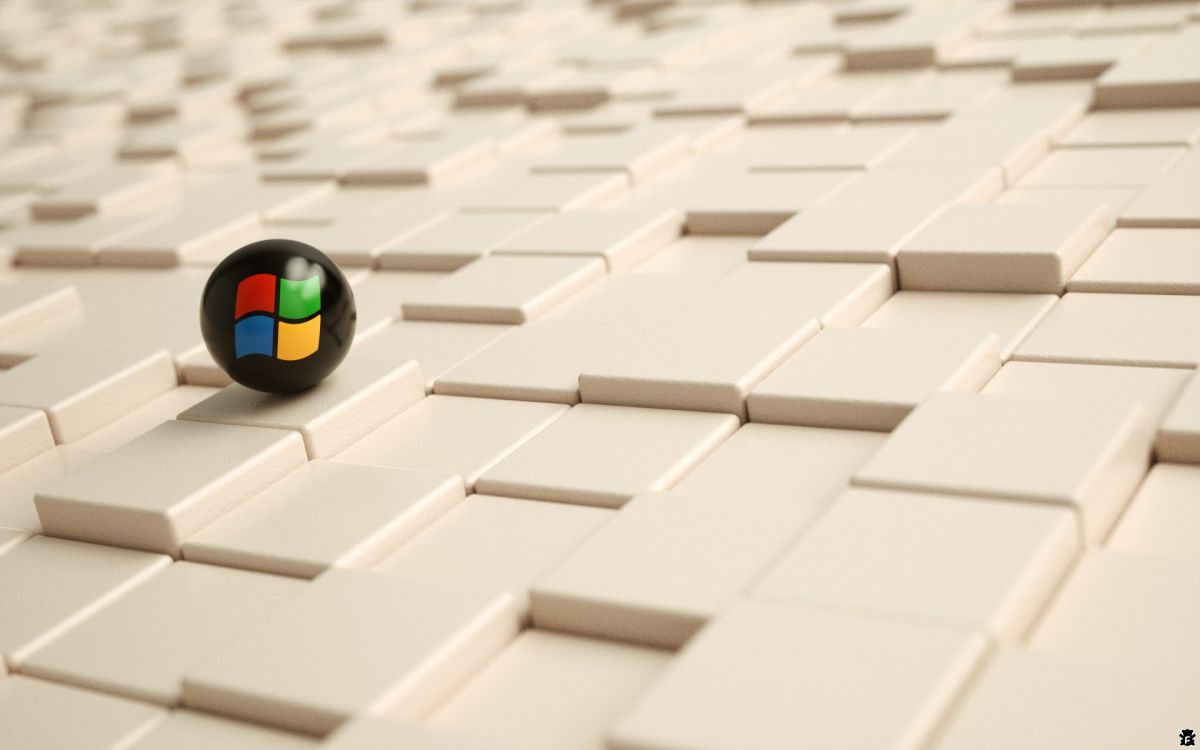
[
  {"x": 1179, "y": 437},
  {"x": 146, "y": 417},
  {"x": 836, "y": 294},
  {"x": 455, "y": 240},
  {"x": 1142, "y": 261},
  {"x": 1001, "y": 248},
  {"x": 622, "y": 239},
  {"x": 765, "y": 675},
  {"x": 192, "y": 730},
  {"x": 436, "y": 347},
  {"x": 453, "y": 435},
  {"x": 1170, "y": 200},
  {"x": 1150, "y": 330},
  {"x": 903, "y": 555},
  {"x": 296, "y": 527},
  {"x": 1100, "y": 613},
  {"x": 502, "y": 542},
  {"x": 19, "y": 484},
  {"x": 1102, "y": 167},
  {"x": 49, "y": 716},
  {"x": 1163, "y": 518},
  {"x": 870, "y": 379},
  {"x": 24, "y": 433},
  {"x": 844, "y": 231},
  {"x": 1082, "y": 454},
  {"x": 925, "y": 184},
  {"x": 604, "y": 455},
  {"x": 1165, "y": 126}
]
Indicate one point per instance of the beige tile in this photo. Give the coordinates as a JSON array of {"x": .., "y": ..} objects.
[
  {"x": 1166, "y": 126},
  {"x": 542, "y": 192},
  {"x": 1179, "y": 436},
  {"x": 1085, "y": 455},
  {"x": 191, "y": 730},
  {"x": 112, "y": 188},
  {"x": 1079, "y": 58},
  {"x": 979, "y": 564},
  {"x": 753, "y": 202},
  {"x": 381, "y": 733},
  {"x": 19, "y": 484},
  {"x": 604, "y": 455},
  {"x": 158, "y": 489},
  {"x": 1142, "y": 261},
  {"x": 503, "y": 289},
  {"x": 357, "y": 240},
  {"x": 150, "y": 414},
  {"x": 50, "y": 585},
  {"x": 766, "y": 675},
  {"x": 713, "y": 255},
  {"x": 455, "y": 240},
  {"x": 325, "y": 515},
  {"x": 24, "y": 433},
  {"x": 787, "y": 149},
  {"x": 453, "y": 435},
  {"x": 590, "y": 683},
  {"x": 835, "y": 231},
  {"x": 1156, "y": 330},
  {"x": 1167, "y": 202},
  {"x": 1115, "y": 199},
  {"x": 499, "y": 542},
  {"x": 139, "y": 645},
  {"x": 639, "y": 155},
  {"x": 1164, "y": 77},
  {"x": 836, "y": 294},
  {"x": 622, "y": 239},
  {"x": 930, "y": 185},
  {"x": 870, "y": 379},
  {"x": 436, "y": 347},
  {"x": 349, "y": 644},
  {"x": 1103, "y": 167},
  {"x": 1163, "y": 517},
  {"x": 28, "y": 303},
  {"x": 43, "y": 715},
  {"x": 361, "y": 395},
  {"x": 417, "y": 162},
  {"x": 633, "y": 299},
  {"x": 919, "y": 38}
]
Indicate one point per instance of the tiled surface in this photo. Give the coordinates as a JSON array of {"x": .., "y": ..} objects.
[{"x": 729, "y": 376}]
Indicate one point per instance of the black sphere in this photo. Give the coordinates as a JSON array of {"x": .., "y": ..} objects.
[{"x": 278, "y": 316}]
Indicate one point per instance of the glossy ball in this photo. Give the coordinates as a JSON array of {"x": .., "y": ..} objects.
[{"x": 278, "y": 316}]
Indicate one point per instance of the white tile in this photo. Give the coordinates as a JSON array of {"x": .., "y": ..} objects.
[
  {"x": 1100, "y": 613},
  {"x": 640, "y": 154},
  {"x": 786, "y": 149},
  {"x": 542, "y": 192},
  {"x": 836, "y": 231},
  {"x": 766, "y": 675},
  {"x": 150, "y": 414},
  {"x": 139, "y": 645},
  {"x": 1115, "y": 199},
  {"x": 1008, "y": 316},
  {"x": 633, "y": 299},
  {"x": 24, "y": 433},
  {"x": 694, "y": 363},
  {"x": 113, "y": 187},
  {"x": 362, "y": 394},
  {"x": 588, "y": 682},
  {"x": 919, "y": 38},
  {"x": 1179, "y": 436},
  {"x": 349, "y": 644},
  {"x": 1155, "y": 330},
  {"x": 713, "y": 255},
  {"x": 836, "y": 294},
  {"x": 83, "y": 389},
  {"x": 158, "y": 489},
  {"x": 453, "y": 435},
  {"x": 870, "y": 379},
  {"x": 325, "y": 515},
  {"x": 503, "y": 289},
  {"x": 50, "y": 585},
  {"x": 40, "y": 714},
  {"x": 903, "y": 555},
  {"x": 1142, "y": 261},
  {"x": 1164, "y": 77},
  {"x": 623, "y": 583},
  {"x": 455, "y": 240},
  {"x": 436, "y": 347},
  {"x": 499, "y": 542},
  {"x": 28, "y": 303},
  {"x": 191, "y": 730},
  {"x": 357, "y": 240},
  {"x": 1085, "y": 455},
  {"x": 754, "y": 202},
  {"x": 924, "y": 184},
  {"x": 1163, "y": 517},
  {"x": 1001, "y": 248},
  {"x": 1168, "y": 201},
  {"x": 1166, "y": 126},
  {"x": 622, "y": 239},
  {"x": 19, "y": 484},
  {"x": 428, "y": 161},
  {"x": 604, "y": 455},
  {"x": 1103, "y": 167}
]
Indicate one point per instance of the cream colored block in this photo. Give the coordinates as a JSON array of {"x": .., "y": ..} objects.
[
  {"x": 539, "y": 361},
  {"x": 504, "y": 289},
  {"x": 604, "y": 455},
  {"x": 932, "y": 97},
  {"x": 1163, "y": 77},
  {"x": 19, "y": 484},
  {"x": 435, "y": 347},
  {"x": 379, "y": 294},
  {"x": 806, "y": 465},
  {"x": 50, "y": 585},
  {"x": 1001, "y": 248},
  {"x": 453, "y": 435},
  {"x": 1089, "y": 456},
  {"x": 150, "y": 414},
  {"x": 978, "y": 564},
  {"x": 10, "y": 538},
  {"x": 753, "y": 202},
  {"x": 1100, "y": 613},
  {"x": 623, "y": 583},
  {"x": 993, "y": 134},
  {"x": 325, "y": 515},
  {"x": 870, "y": 379},
  {"x": 921, "y": 37},
  {"x": 139, "y": 645},
  {"x": 694, "y": 363},
  {"x": 828, "y": 99},
  {"x": 1115, "y": 199},
  {"x": 1008, "y": 316},
  {"x": 413, "y": 162},
  {"x": 835, "y": 231},
  {"x": 714, "y": 255},
  {"x": 24, "y": 433},
  {"x": 1169, "y": 201},
  {"x": 353, "y": 643},
  {"x": 1179, "y": 436},
  {"x": 499, "y": 542},
  {"x": 725, "y": 92},
  {"x": 836, "y": 294},
  {"x": 159, "y": 489},
  {"x": 40, "y": 715},
  {"x": 191, "y": 730},
  {"x": 931, "y": 185},
  {"x": 633, "y": 299},
  {"x": 1166, "y": 126},
  {"x": 455, "y": 240},
  {"x": 114, "y": 187},
  {"x": 766, "y": 675},
  {"x": 639, "y": 155},
  {"x": 623, "y": 239},
  {"x": 83, "y": 389},
  {"x": 1103, "y": 167},
  {"x": 1163, "y": 518},
  {"x": 358, "y": 240},
  {"x": 194, "y": 231},
  {"x": 542, "y": 192},
  {"x": 381, "y": 733},
  {"x": 1039, "y": 700},
  {"x": 1143, "y": 261},
  {"x": 361, "y": 395},
  {"x": 590, "y": 684},
  {"x": 785, "y": 149},
  {"x": 1079, "y": 58},
  {"x": 1153, "y": 388},
  {"x": 1155, "y": 330},
  {"x": 29, "y": 303}
]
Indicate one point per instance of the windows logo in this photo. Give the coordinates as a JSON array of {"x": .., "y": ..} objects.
[{"x": 288, "y": 331}]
